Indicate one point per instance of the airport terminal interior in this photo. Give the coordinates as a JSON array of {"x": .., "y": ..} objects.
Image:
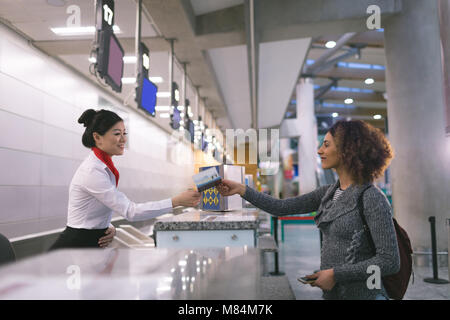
[{"x": 210, "y": 91}]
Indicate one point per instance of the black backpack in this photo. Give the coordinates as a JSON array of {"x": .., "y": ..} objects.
[{"x": 395, "y": 284}]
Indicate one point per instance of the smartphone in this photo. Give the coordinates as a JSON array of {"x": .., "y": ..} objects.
[{"x": 305, "y": 280}]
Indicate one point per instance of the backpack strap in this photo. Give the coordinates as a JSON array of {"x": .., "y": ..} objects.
[{"x": 363, "y": 218}]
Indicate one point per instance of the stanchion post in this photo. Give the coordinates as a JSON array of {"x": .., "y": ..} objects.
[
  {"x": 448, "y": 246},
  {"x": 275, "y": 229},
  {"x": 277, "y": 271},
  {"x": 435, "y": 278}
]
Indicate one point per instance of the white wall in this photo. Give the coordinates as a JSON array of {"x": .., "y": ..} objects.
[{"x": 40, "y": 142}]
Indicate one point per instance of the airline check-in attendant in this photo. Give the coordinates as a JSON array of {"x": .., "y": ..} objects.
[{"x": 93, "y": 194}]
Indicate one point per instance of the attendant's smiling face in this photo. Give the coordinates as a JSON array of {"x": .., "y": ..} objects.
[
  {"x": 328, "y": 153},
  {"x": 113, "y": 141}
]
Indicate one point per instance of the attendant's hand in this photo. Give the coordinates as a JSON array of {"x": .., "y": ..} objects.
[
  {"x": 103, "y": 242},
  {"x": 325, "y": 279},
  {"x": 189, "y": 198},
  {"x": 229, "y": 188}
]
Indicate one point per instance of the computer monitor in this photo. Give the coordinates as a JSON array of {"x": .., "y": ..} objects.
[
  {"x": 115, "y": 62},
  {"x": 147, "y": 96},
  {"x": 176, "y": 118},
  {"x": 204, "y": 143},
  {"x": 191, "y": 129},
  {"x": 110, "y": 60}
]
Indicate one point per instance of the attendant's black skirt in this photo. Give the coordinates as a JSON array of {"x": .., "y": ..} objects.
[{"x": 78, "y": 238}]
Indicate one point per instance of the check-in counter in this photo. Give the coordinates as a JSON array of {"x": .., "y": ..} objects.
[
  {"x": 208, "y": 273},
  {"x": 197, "y": 229}
]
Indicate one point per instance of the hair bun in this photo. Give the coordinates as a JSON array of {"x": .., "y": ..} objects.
[{"x": 87, "y": 117}]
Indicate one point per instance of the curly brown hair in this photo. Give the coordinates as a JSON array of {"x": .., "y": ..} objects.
[{"x": 364, "y": 149}]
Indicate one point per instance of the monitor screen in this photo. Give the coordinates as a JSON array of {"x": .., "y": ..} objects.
[
  {"x": 191, "y": 128},
  {"x": 176, "y": 118},
  {"x": 115, "y": 62},
  {"x": 148, "y": 96},
  {"x": 204, "y": 143}
]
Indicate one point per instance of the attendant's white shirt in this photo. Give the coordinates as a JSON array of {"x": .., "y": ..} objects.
[{"x": 93, "y": 198}]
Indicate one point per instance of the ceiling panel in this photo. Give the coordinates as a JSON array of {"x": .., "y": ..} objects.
[
  {"x": 376, "y": 86},
  {"x": 36, "y": 17},
  {"x": 372, "y": 38},
  {"x": 353, "y": 74},
  {"x": 356, "y": 96},
  {"x": 368, "y": 55},
  {"x": 362, "y": 104},
  {"x": 205, "y": 6},
  {"x": 280, "y": 63},
  {"x": 231, "y": 70}
]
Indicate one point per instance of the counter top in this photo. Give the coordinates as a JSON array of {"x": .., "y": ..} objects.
[
  {"x": 209, "y": 220},
  {"x": 210, "y": 274}
]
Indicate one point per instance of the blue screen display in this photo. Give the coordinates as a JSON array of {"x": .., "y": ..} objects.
[
  {"x": 191, "y": 128},
  {"x": 148, "y": 97},
  {"x": 204, "y": 143},
  {"x": 176, "y": 118}
]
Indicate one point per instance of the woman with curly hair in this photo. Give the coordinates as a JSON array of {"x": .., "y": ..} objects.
[{"x": 359, "y": 153}]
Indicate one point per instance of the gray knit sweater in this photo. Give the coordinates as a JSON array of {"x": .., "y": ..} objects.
[{"x": 345, "y": 246}]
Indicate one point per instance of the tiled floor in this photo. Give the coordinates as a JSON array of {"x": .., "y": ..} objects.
[{"x": 300, "y": 255}]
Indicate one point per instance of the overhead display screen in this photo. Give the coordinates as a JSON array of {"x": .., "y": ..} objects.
[
  {"x": 191, "y": 129},
  {"x": 110, "y": 60},
  {"x": 115, "y": 62},
  {"x": 148, "y": 96},
  {"x": 176, "y": 118}
]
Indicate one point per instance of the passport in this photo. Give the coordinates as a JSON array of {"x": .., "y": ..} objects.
[{"x": 207, "y": 179}]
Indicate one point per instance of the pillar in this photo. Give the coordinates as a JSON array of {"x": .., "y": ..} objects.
[{"x": 421, "y": 167}]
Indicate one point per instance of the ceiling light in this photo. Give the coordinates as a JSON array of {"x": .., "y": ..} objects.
[
  {"x": 78, "y": 31},
  {"x": 377, "y": 116},
  {"x": 335, "y": 114},
  {"x": 164, "y": 115},
  {"x": 330, "y": 44},
  {"x": 369, "y": 81},
  {"x": 348, "y": 101},
  {"x": 128, "y": 80},
  {"x": 163, "y": 94},
  {"x": 129, "y": 59},
  {"x": 156, "y": 79},
  {"x": 162, "y": 108},
  {"x": 73, "y": 31},
  {"x": 126, "y": 59}
]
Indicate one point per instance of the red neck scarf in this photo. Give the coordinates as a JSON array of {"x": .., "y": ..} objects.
[{"x": 106, "y": 159}]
